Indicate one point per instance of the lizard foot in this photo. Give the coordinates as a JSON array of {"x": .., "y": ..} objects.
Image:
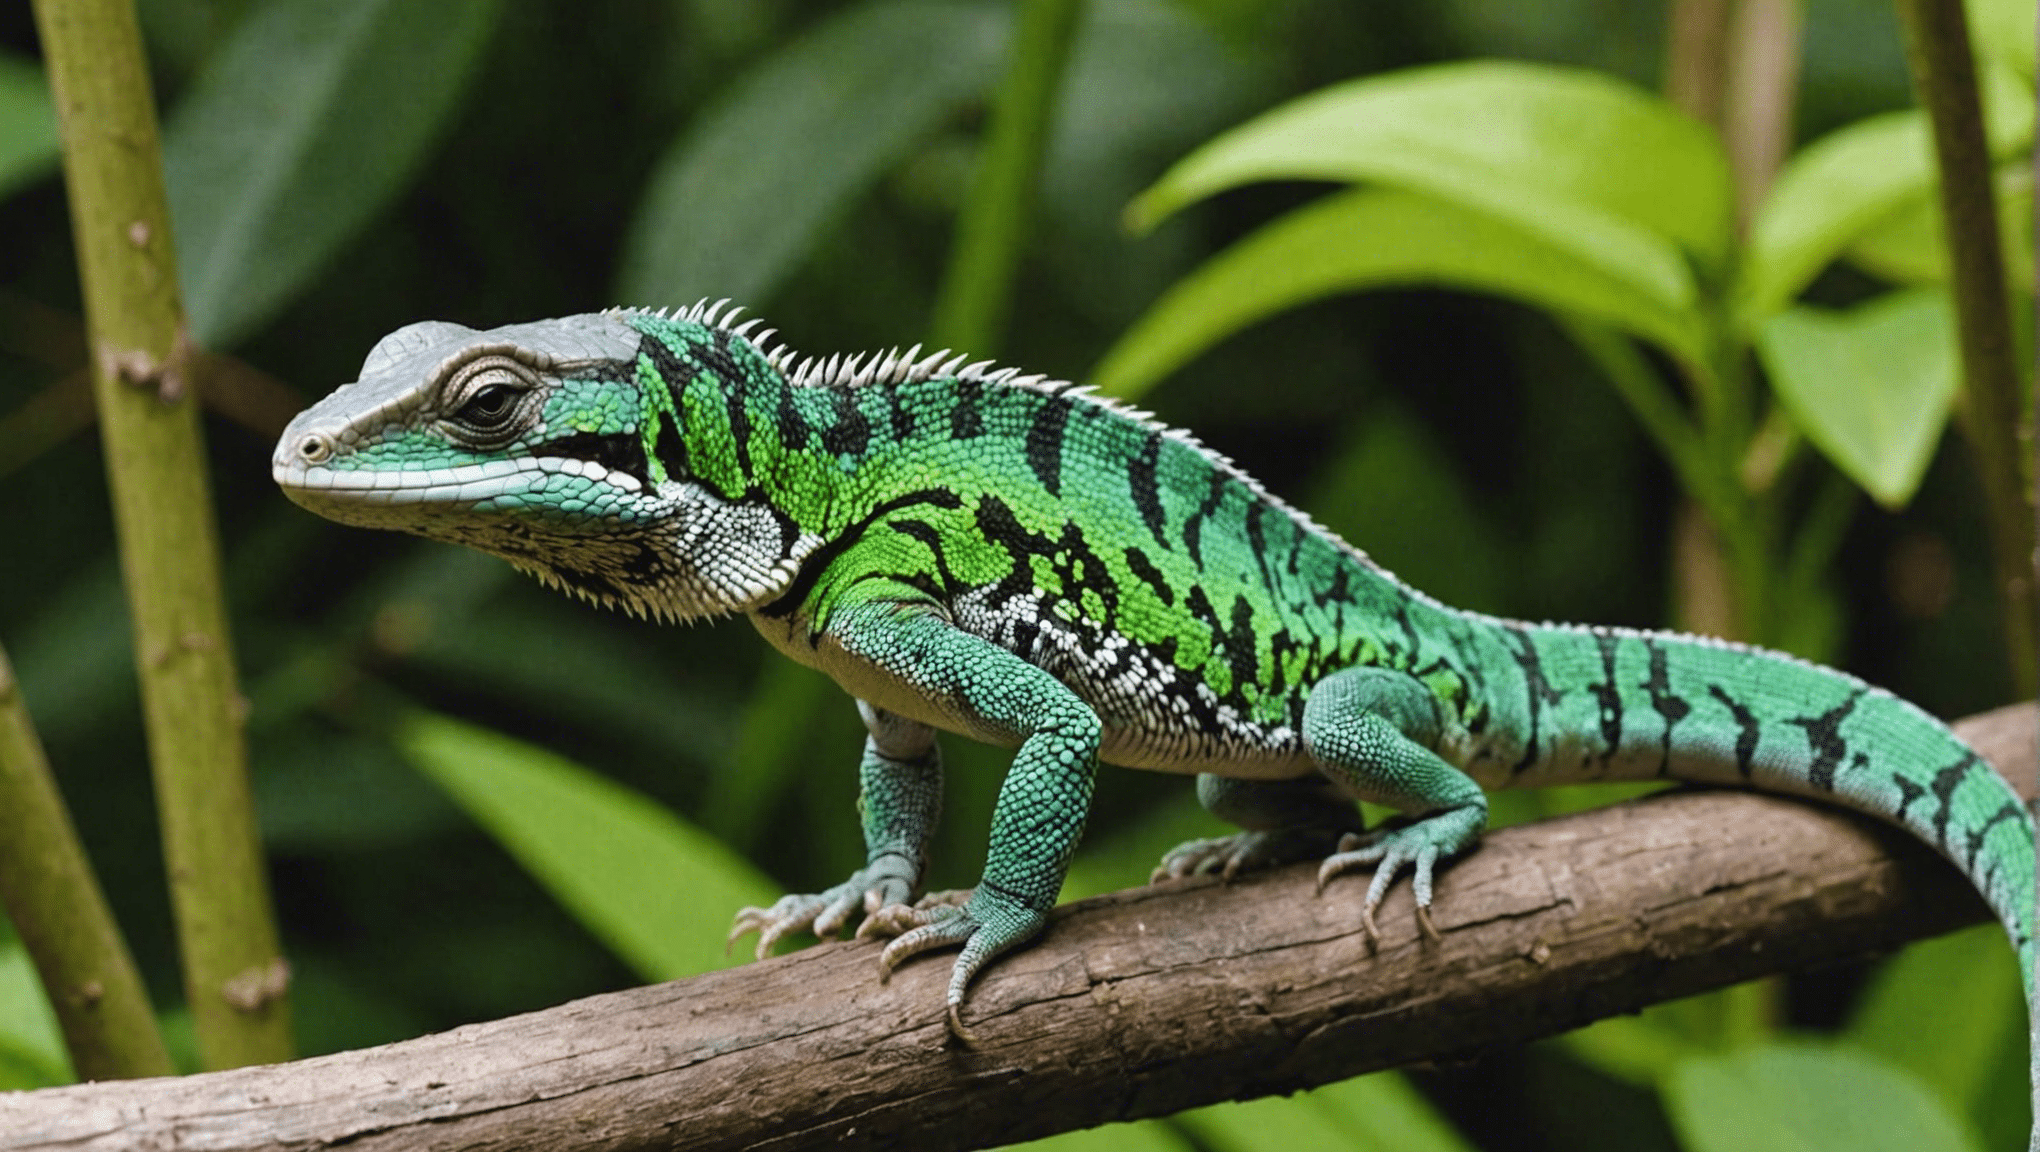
[
  {"x": 1417, "y": 846},
  {"x": 986, "y": 926},
  {"x": 1244, "y": 852},
  {"x": 877, "y": 888}
]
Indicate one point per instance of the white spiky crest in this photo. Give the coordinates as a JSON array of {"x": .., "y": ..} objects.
[{"x": 911, "y": 366}]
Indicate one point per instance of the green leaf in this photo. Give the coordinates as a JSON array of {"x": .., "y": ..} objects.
[
  {"x": 1871, "y": 387},
  {"x": 309, "y": 121},
  {"x": 2004, "y": 29},
  {"x": 656, "y": 890},
  {"x": 28, "y": 124},
  {"x": 1374, "y": 238},
  {"x": 1845, "y": 184},
  {"x": 1781, "y": 1097},
  {"x": 1377, "y": 1112},
  {"x": 1140, "y": 1136},
  {"x": 32, "y": 1051},
  {"x": 1971, "y": 979},
  {"x": 1592, "y": 165},
  {"x": 738, "y": 200},
  {"x": 1907, "y": 247}
]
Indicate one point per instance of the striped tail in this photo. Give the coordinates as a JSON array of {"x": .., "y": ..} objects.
[{"x": 1602, "y": 703}]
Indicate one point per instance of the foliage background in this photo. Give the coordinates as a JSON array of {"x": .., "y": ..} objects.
[{"x": 487, "y": 161}]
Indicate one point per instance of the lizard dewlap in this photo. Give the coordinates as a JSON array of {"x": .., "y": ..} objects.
[{"x": 1011, "y": 558}]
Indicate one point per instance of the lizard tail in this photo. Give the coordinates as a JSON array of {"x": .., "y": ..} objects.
[{"x": 1618, "y": 704}]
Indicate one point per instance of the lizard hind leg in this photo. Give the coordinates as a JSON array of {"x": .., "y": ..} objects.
[
  {"x": 1373, "y": 731},
  {"x": 1282, "y": 820}
]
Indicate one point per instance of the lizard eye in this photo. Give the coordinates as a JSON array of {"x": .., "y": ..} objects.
[
  {"x": 490, "y": 408},
  {"x": 490, "y": 399}
]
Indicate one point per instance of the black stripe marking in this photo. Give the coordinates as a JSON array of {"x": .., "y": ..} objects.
[
  {"x": 849, "y": 433},
  {"x": 622, "y": 452},
  {"x": 1669, "y": 705},
  {"x": 1943, "y": 786},
  {"x": 1539, "y": 690},
  {"x": 819, "y": 560},
  {"x": 1045, "y": 443},
  {"x": 966, "y": 414},
  {"x": 1747, "y": 729},
  {"x": 1143, "y": 569},
  {"x": 1608, "y": 696},
  {"x": 1824, "y": 740},
  {"x": 1144, "y": 486}
]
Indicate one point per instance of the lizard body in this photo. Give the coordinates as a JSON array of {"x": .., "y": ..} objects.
[{"x": 1016, "y": 560}]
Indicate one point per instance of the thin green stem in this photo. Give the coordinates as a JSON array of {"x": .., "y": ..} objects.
[
  {"x": 54, "y": 900},
  {"x": 141, "y": 367},
  {"x": 1944, "y": 75},
  {"x": 977, "y": 290}
]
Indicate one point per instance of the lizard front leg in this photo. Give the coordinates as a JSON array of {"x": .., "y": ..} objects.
[
  {"x": 989, "y": 692},
  {"x": 899, "y": 798}
]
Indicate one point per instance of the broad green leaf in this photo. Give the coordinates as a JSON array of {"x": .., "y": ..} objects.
[
  {"x": 655, "y": 889},
  {"x": 1871, "y": 387},
  {"x": 738, "y": 200},
  {"x": 31, "y": 1044},
  {"x": 1594, "y": 166},
  {"x": 1971, "y": 979},
  {"x": 28, "y": 124},
  {"x": 1637, "y": 1050},
  {"x": 1846, "y": 183},
  {"x": 309, "y": 121},
  {"x": 1907, "y": 246},
  {"x": 1781, "y": 1097},
  {"x": 1377, "y": 1112},
  {"x": 1374, "y": 238},
  {"x": 2004, "y": 29},
  {"x": 1140, "y": 1136}
]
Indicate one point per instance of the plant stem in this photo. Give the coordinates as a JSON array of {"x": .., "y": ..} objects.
[
  {"x": 51, "y": 895},
  {"x": 1944, "y": 74},
  {"x": 141, "y": 368},
  {"x": 978, "y": 287}
]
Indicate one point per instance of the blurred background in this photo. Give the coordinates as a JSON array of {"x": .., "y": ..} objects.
[{"x": 338, "y": 171}]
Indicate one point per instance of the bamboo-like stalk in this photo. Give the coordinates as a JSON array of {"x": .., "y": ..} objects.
[
  {"x": 233, "y": 972},
  {"x": 1944, "y": 75},
  {"x": 54, "y": 900},
  {"x": 977, "y": 289}
]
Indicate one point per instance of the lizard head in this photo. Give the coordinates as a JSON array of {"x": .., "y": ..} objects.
[{"x": 555, "y": 445}]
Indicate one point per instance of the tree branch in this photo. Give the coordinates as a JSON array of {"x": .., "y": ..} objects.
[{"x": 1141, "y": 1003}]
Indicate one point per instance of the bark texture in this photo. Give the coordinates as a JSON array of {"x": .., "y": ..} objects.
[{"x": 1140, "y": 1003}]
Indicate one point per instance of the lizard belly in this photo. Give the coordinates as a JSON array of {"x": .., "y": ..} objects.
[{"x": 1145, "y": 724}]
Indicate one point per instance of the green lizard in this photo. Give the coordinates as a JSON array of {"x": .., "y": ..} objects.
[{"x": 1019, "y": 561}]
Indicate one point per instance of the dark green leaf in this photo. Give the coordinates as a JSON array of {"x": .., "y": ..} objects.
[
  {"x": 28, "y": 124},
  {"x": 657, "y": 890},
  {"x": 1780, "y": 1097},
  {"x": 1589, "y": 164},
  {"x": 1871, "y": 387},
  {"x": 272, "y": 169},
  {"x": 1373, "y": 238},
  {"x": 736, "y": 202}
]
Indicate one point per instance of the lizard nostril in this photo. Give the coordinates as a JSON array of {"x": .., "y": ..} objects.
[{"x": 316, "y": 448}]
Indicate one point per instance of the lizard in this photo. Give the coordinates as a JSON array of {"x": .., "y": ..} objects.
[{"x": 1024, "y": 562}]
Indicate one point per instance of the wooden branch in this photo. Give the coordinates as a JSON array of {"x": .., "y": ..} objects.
[{"x": 1140, "y": 1003}]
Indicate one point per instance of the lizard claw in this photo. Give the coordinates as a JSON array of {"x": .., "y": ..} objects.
[{"x": 878, "y": 887}]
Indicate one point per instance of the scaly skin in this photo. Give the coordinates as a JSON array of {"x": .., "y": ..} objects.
[{"x": 1017, "y": 561}]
